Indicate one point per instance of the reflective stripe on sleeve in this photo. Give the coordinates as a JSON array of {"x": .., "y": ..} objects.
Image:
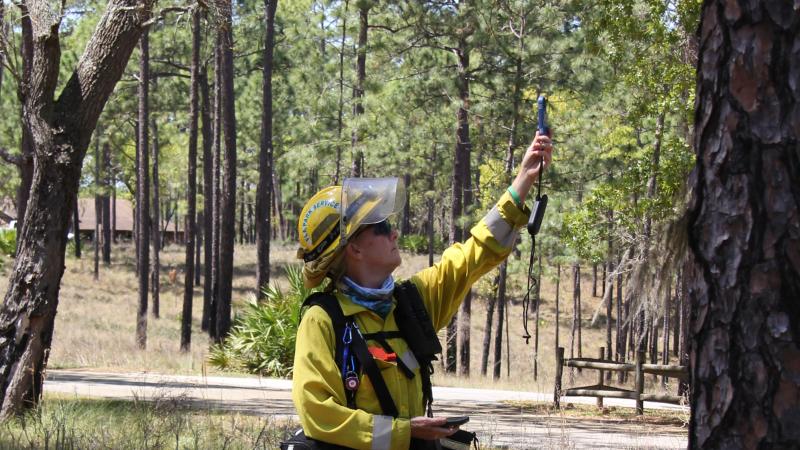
[
  {"x": 410, "y": 360},
  {"x": 381, "y": 432},
  {"x": 500, "y": 229}
]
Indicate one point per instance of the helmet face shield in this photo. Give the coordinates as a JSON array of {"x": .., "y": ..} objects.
[{"x": 367, "y": 201}]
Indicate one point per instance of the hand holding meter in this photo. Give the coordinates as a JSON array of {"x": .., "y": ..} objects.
[{"x": 539, "y": 206}]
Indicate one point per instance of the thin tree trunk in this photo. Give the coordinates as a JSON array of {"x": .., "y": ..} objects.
[
  {"x": 465, "y": 310},
  {"x": 558, "y": 306},
  {"x": 113, "y": 205},
  {"x": 339, "y": 120},
  {"x": 76, "y": 226},
  {"x": 431, "y": 204},
  {"x": 594, "y": 279},
  {"x": 215, "y": 275},
  {"x": 501, "y": 306},
  {"x": 228, "y": 198},
  {"x": 665, "y": 344},
  {"x": 155, "y": 238},
  {"x": 279, "y": 205},
  {"x": 191, "y": 183},
  {"x": 144, "y": 192},
  {"x": 137, "y": 195},
  {"x": 208, "y": 199},
  {"x": 537, "y": 305},
  {"x": 622, "y": 335},
  {"x": 487, "y": 333},
  {"x": 676, "y": 318},
  {"x": 98, "y": 206},
  {"x": 198, "y": 243},
  {"x": 358, "y": 91},
  {"x": 405, "y": 229},
  {"x": 106, "y": 204},
  {"x": 264, "y": 197}
]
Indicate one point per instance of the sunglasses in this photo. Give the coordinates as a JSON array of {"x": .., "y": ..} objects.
[{"x": 383, "y": 228}]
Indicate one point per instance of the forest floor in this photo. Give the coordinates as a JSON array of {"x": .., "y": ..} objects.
[{"x": 96, "y": 321}]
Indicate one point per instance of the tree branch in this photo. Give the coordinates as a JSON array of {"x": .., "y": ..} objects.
[
  {"x": 162, "y": 15},
  {"x": 9, "y": 158},
  {"x": 102, "y": 64}
]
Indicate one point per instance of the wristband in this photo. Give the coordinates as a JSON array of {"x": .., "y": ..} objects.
[{"x": 515, "y": 196}]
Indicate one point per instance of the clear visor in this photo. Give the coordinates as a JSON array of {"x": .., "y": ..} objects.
[{"x": 369, "y": 200}]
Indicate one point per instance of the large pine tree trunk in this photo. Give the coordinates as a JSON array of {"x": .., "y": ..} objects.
[
  {"x": 744, "y": 259},
  {"x": 228, "y": 197},
  {"x": 264, "y": 189},
  {"x": 191, "y": 183},
  {"x": 143, "y": 192},
  {"x": 61, "y": 130}
]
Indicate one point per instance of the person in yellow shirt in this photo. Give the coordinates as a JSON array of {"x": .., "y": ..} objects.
[{"x": 345, "y": 236}]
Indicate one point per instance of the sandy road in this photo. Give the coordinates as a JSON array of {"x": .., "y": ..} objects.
[{"x": 496, "y": 422}]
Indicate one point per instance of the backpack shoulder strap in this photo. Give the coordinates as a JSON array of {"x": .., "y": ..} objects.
[
  {"x": 414, "y": 321},
  {"x": 416, "y": 326}
]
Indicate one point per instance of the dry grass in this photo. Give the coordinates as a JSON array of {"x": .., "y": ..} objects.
[{"x": 96, "y": 321}]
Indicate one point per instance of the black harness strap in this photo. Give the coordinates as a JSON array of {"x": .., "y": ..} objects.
[{"x": 374, "y": 374}]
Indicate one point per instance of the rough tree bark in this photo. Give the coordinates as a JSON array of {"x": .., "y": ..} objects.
[
  {"x": 228, "y": 197},
  {"x": 264, "y": 189},
  {"x": 744, "y": 228},
  {"x": 191, "y": 182},
  {"x": 61, "y": 129}
]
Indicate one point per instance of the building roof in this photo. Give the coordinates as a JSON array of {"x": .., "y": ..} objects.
[{"x": 125, "y": 214}]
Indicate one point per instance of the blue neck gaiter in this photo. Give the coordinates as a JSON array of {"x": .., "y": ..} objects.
[{"x": 377, "y": 300}]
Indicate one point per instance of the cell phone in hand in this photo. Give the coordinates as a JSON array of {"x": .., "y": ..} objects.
[{"x": 456, "y": 421}]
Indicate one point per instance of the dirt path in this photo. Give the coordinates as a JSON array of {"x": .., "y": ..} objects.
[{"x": 496, "y": 422}]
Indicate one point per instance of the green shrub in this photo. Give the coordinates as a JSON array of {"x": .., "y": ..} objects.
[
  {"x": 262, "y": 338},
  {"x": 418, "y": 243},
  {"x": 8, "y": 242}
]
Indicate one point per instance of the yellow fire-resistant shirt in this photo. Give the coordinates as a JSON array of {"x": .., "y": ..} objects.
[{"x": 317, "y": 388}]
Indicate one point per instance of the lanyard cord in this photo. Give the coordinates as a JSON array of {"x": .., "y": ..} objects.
[{"x": 532, "y": 282}]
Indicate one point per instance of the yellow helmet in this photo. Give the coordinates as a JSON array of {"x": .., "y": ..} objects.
[
  {"x": 322, "y": 228},
  {"x": 318, "y": 227}
]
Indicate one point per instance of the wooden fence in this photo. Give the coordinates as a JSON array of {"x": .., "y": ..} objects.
[{"x": 602, "y": 390}]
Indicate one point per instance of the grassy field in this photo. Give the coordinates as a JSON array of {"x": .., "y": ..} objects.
[
  {"x": 71, "y": 423},
  {"x": 96, "y": 321}
]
